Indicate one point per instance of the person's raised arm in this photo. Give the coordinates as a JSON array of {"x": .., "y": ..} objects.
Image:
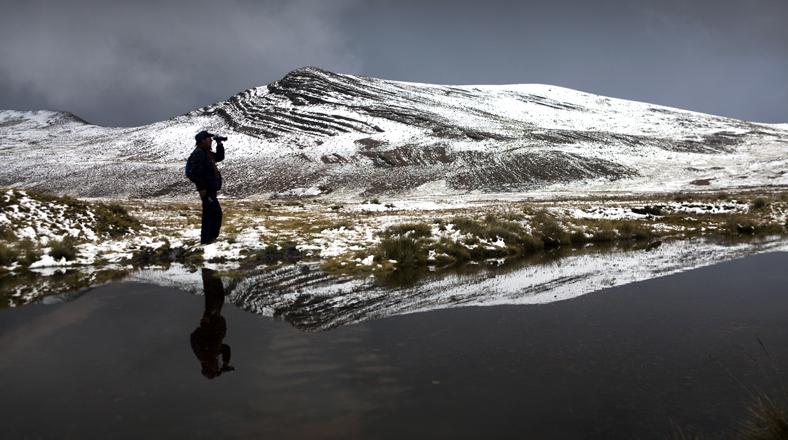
[{"x": 219, "y": 155}]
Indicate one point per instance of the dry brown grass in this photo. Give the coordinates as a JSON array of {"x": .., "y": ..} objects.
[{"x": 768, "y": 421}]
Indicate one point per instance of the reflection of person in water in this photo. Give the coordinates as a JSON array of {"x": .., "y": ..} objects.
[{"x": 207, "y": 339}]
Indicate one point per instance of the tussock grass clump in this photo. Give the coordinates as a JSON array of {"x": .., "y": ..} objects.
[
  {"x": 529, "y": 243},
  {"x": 518, "y": 240},
  {"x": 7, "y": 198},
  {"x": 451, "y": 252},
  {"x": 114, "y": 220},
  {"x": 7, "y": 234},
  {"x": 29, "y": 252},
  {"x": 469, "y": 226},
  {"x": 413, "y": 230},
  {"x": 606, "y": 233},
  {"x": 63, "y": 249},
  {"x": 633, "y": 231},
  {"x": 162, "y": 255},
  {"x": 273, "y": 254},
  {"x": 578, "y": 236},
  {"x": 52, "y": 198},
  {"x": 509, "y": 232},
  {"x": 261, "y": 209},
  {"x": 513, "y": 216},
  {"x": 340, "y": 224},
  {"x": 230, "y": 229},
  {"x": 549, "y": 230},
  {"x": 681, "y": 197},
  {"x": 24, "y": 252},
  {"x": 768, "y": 421},
  {"x": 407, "y": 251},
  {"x": 7, "y": 255},
  {"x": 491, "y": 228},
  {"x": 740, "y": 224},
  {"x": 744, "y": 225},
  {"x": 759, "y": 203}
]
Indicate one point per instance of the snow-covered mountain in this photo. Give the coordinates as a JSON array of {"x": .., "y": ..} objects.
[{"x": 317, "y": 132}]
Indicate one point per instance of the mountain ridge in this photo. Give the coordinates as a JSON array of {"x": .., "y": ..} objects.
[{"x": 318, "y": 132}]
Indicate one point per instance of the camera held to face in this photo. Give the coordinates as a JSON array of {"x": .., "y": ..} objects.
[{"x": 218, "y": 138}]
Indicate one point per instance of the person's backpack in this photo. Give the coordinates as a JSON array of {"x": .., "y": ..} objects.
[{"x": 188, "y": 169}]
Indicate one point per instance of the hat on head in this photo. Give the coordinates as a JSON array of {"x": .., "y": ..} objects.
[{"x": 202, "y": 135}]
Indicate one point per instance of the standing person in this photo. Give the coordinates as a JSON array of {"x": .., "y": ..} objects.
[{"x": 202, "y": 170}]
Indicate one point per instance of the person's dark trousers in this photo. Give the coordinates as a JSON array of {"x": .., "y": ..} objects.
[{"x": 211, "y": 218}]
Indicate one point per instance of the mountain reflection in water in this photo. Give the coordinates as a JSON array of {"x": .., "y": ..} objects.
[
  {"x": 312, "y": 300},
  {"x": 687, "y": 351}
]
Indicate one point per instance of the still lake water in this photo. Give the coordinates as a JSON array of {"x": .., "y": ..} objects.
[{"x": 633, "y": 361}]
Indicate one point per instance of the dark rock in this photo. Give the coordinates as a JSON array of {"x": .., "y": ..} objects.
[
  {"x": 701, "y": 182},
  {"x": 650, "y": 210},
  {"x": 745, "y": 229}
]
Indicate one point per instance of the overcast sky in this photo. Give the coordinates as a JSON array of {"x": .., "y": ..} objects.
[{"x": 130, "y": 63}]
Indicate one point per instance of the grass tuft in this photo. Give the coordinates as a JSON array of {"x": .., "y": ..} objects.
[
  {"x": 407, "y": 251},
  {"x": 273, "y": 254},
  {"x": 29, "y": 252},
  {"x": 549, "y": 230},
  {"x": 633, "y": 231},
  {"x": 768, "y": 421},
  {"x": 413, "y": 230},
  {"x": 759, "y": 203},
  {"x": 7, "y": 234},
  {"x": 7, "y": 255},
  {"x": 114, "y": 220},
  {"x": 63, "y": 249}
]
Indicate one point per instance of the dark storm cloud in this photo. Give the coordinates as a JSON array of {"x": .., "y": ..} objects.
[
  {"x": 139, "y": 62},
  {"x": 142, "y": 61}
]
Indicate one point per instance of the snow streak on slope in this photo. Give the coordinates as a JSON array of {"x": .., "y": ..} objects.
[{"x": 317, "y": 132}]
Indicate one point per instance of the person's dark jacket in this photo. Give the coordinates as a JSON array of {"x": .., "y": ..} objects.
[{"x": 204, "y": 172}]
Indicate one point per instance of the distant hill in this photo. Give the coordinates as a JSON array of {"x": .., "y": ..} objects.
[{"x": 316, "y": 132}]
